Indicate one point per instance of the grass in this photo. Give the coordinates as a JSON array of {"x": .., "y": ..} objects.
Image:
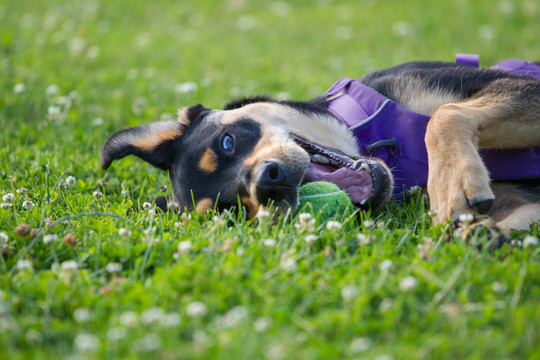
[{"x": 73, "y": 72}]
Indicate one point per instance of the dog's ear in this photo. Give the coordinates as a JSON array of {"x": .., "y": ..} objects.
[{"x": 153, "y": 143}]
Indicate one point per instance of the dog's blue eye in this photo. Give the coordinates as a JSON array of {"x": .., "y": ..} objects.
[{"x": 227, "y": 143}]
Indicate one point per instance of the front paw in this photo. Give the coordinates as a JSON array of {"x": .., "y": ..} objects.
[{"x": 458, "y": 185}]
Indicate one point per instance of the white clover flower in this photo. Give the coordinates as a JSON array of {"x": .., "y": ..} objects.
[
  {"x": 385, "y": 305},
  {"x": 171, "y": 320},
  {"x": 349, "y": 292},
  {"x": 530, "y": 241},
  {"x": 82, "y": 315},
  {"x": 22, "y": 191},
  {"x": 146, "y": 205},
  {"x": 5, "y": 205},
  {"x": 113, "y": 267},
  {"x": 163, "y": 188},
  {"x": 92, "y": 52},
  {"x": 123, "y": 232},
  {"x": 84, "y": 343},
  {"x": 232, "y": 318},
  {"x": 97, "y": 194},
  {"x": 262, "y": 214},
  {"x": 280, "y": 8},
  {"x": 310, "y": 239},
  {"x": 184, "y": 247},
  {"x": 69, "y": 266},
  {"x": 19, "y": 88},
  {"x": 262, "y": 324},
  {"x": 186, "y": 88},
  {"x": 368, "y": 224},
  {"x": 498, "y": 287},
  {"x": 173, "y": 205},
  {"x": 77, "y": 45},
  {"x": 246, "y": 22},
  {"x": 148, "y": 343},
  {"x": 385, "y": 265},
  {"x": 97, "y": 121},
  {"x": 52, "y": 90},
  {"x": 152, "y": 316},
  {"x": 4, "y": 238},
  {"x": 269, "y": 242},
  {"x": 289, "y": 264},
  {"x": 116, "y": 333},
  {"x": 152, "y": 212},
  {"x": 516, "y": 243},
  {"x": 129, "y": 319},
  {"x": 8, "y": 198},
  {"x": 218, "y": 221},
  {"x": 333, "y": 226},
  {"x": 413, "y": 190},
  {"x": 71, "y": 181},
  {"x": 304, "y": 218},
  {"x": 54, "y": 110},
  {"x": 196, "y": 309},
  {"x": 466, "y": 218},
  {"x": 50, "y": 238},
  {"x": 408, "y": 283},
  {"x": 306, "y": 223},
  {"x": 28, "y": 205},
  {"x": 363, "y": 239},
  {"x": 23, "y": 265},
  {"x": 360, "y": 344}
]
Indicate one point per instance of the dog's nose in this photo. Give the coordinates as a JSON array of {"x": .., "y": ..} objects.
[
  {"x": 272, "y": 174},
  {"x": 273, "y": 183}
]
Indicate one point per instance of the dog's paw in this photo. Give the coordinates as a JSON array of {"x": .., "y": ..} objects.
[
  {"x": 481, "y": 232},
  {"x": 458, "y": 181}
]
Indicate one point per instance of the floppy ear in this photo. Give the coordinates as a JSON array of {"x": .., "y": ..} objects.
[{"x": 153, "y": 143}]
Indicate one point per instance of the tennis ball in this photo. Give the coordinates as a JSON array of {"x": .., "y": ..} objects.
[{"x": 323, "y": 197}]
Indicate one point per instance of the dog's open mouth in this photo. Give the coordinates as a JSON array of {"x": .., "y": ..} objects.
[{"x": 359, "y": 178}]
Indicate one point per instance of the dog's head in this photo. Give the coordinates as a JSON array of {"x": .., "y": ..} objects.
[{"x": 253, "y": 152}]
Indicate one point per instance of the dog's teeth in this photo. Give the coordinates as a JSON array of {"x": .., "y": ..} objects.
[
  {"x": 363, "y": 202},
  {"x": 334, "y": 162},
  {"x": 366, "y": 167},
  {"x": 321, "y": 159}
]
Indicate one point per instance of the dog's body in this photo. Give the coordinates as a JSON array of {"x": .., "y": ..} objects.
[{"x": 259, "y": 150}]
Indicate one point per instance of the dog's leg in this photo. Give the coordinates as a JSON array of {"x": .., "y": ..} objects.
[
  {"x": 505, "y": 114},
  {"x": 521, "y": 218}
]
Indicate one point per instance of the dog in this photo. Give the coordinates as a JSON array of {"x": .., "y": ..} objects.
[{"x": 259, "y": 150}]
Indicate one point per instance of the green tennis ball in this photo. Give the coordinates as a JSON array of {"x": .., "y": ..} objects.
[{"x": 323, "y": 197}]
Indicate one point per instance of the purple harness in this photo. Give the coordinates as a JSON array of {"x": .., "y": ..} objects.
[{"x": 388, "y": 131}]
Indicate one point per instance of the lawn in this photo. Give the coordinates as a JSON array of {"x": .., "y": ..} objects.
[{"x": 81, "y": 278}]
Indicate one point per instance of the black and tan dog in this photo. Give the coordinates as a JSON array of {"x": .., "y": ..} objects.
[{"x": 258, "y": 150}]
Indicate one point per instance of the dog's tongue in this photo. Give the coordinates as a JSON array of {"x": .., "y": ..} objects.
[{"x": 356, "y": 183}]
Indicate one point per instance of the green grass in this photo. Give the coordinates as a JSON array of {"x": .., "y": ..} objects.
[{"x": 119, "y": 64}]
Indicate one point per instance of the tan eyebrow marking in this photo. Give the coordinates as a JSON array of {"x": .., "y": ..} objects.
[{"x": 208, "y": 161}]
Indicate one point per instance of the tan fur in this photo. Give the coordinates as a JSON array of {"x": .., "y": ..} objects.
[
  {"x": 414, "y": 96},
  {"x": 208, "y": 161},
  {"x": 453, "y": 136},
  {"x": 204, "y": 204},
  {"x": 183, "y": 117},
  {"x": 521, "y": 218},
  {"x": 153, "y": 139},
  {"x": 252, "y": 207}
]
